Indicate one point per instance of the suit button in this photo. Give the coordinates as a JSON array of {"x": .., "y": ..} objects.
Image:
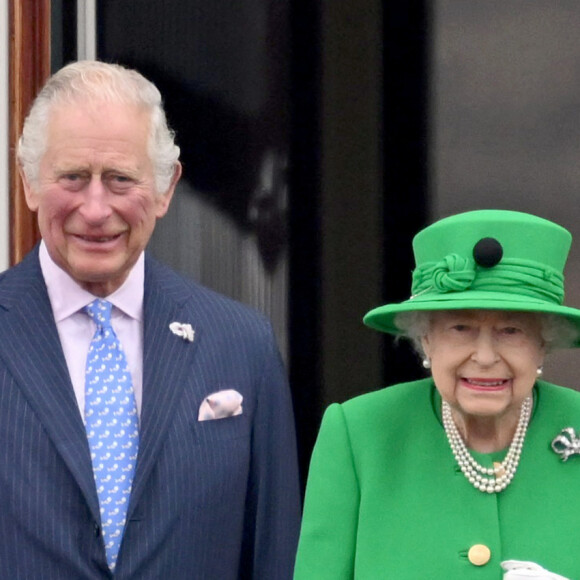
[{"x": 479, "y": 554}]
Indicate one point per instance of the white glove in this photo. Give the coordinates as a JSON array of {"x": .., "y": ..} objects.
[{"x": 517, "y": 570}]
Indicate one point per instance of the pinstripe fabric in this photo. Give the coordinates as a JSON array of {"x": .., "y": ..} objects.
[{"x": 213, "y": 499}]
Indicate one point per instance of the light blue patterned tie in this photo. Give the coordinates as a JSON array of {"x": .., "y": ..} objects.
[{"x": 112, "y": 425}]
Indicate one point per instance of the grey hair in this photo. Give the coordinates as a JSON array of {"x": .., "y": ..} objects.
[
  {"x": 556, "y": 331},
  {"x": 95, "y": 81}
]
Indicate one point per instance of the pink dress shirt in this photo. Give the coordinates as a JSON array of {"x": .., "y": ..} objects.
[{"x": 76, "y": 329}]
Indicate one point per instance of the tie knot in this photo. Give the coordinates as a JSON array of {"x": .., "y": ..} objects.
[{"x": 100, "y": 312}]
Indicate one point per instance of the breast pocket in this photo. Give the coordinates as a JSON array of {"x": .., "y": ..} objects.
[{"x": 206, "y": 432}]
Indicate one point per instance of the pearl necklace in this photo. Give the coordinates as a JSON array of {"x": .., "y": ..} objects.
[{"x": 492, "y": 479}]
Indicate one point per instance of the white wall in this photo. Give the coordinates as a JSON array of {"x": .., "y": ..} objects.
[{"x": 4, "y": 193}]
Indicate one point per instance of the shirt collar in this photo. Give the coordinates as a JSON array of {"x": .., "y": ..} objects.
[{"x": 67, "y": 297}]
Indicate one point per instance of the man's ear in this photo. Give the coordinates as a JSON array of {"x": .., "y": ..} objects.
[
  {"x": 30, "y": 193},
  {"x": 164, "y": 199}
]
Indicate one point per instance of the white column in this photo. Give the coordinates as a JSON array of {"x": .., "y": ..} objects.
[
  {"x": 4, "y": 180},
  {"x": 86, "y": 30}
]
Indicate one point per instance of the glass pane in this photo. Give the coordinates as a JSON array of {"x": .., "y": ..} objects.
[
  {"x": 506, "y": 129},
  {"x": 223, "y": 69}
]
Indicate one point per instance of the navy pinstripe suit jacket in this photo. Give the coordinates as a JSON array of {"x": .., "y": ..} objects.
[{"x": 211, "y": 500}]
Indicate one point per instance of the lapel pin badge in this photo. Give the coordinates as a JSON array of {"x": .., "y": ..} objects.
[
  {"x": 185, "y": 331},
  {"x": 566, "y": 443}
]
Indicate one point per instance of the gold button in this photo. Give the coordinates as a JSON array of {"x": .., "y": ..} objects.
[{"x": 479, "y": 554}]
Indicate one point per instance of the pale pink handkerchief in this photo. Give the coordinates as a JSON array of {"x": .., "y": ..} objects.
[{"x": 220, "y": 405}]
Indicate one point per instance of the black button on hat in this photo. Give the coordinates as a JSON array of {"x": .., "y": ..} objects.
[{"x": 487, "y": 252}]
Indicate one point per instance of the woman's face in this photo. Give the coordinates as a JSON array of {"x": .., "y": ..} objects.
[{"x": 484, "y": 362}]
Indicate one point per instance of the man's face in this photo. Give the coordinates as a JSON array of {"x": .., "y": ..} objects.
[{"x": 95, "y": 197}]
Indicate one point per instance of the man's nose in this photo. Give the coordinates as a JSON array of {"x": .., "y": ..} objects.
[{"x": 95, "y": 207}]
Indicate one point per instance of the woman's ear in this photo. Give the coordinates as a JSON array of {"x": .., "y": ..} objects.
[{"x": 425, "y": 344}]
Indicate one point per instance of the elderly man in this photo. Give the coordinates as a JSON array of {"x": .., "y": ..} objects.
[{"x": 146, "y": 429}]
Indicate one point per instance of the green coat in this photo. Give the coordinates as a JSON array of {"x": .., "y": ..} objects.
[{"x": 385, "y": 498}]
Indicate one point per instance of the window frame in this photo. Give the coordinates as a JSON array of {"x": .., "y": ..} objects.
[{"x": 29, "y": 67}]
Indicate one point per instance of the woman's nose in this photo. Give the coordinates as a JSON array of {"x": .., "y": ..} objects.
[{"x": 485, "y": 349}]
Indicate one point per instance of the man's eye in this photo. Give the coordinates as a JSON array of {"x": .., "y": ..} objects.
[
  {"x": 119, "y": 183},
  {"x": 72, "y": 181}
]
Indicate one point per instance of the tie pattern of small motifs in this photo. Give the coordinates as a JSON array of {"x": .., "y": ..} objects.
[{"x": 112, "y": 425}]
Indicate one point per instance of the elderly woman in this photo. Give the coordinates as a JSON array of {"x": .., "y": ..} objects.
[{"x": 475, "y": 471}]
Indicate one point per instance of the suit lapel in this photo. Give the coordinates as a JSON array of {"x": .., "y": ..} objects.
[
  {"x": 166, "y": 360},
  {"x": 30, "y": 349}
]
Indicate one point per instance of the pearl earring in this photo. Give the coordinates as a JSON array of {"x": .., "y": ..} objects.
[
  {"x": 540, "y": 371},
  {"x": 426, "y": 363}
]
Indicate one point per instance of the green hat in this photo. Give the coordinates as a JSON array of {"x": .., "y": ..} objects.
[{"x": 488, "y": 259}]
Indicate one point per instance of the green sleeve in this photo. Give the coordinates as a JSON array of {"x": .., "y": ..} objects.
[{"x": 328, "y": 536}]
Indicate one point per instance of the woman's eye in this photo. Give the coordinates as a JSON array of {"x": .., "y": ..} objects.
[
  {"x": 510, "y": 330},
  {"x": 460, "y": 327}
]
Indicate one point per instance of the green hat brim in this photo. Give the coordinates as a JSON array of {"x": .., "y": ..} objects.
[{"x": 383, "y": 317}]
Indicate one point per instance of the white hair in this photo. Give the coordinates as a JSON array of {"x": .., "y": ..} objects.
[
  {"x": 94, "y": 81},
  {"x": 556, "y": 331}
]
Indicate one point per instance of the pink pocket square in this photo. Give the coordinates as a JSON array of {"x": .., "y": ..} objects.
[{"x": 220, "y": 405}]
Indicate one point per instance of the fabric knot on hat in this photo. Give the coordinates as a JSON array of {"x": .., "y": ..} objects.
[
  {"x": 452, "y": 274},
  {"x": 457, "y": 274}
]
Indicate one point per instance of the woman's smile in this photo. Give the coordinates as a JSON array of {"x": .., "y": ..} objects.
[{"x": 486, "y": 385}]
